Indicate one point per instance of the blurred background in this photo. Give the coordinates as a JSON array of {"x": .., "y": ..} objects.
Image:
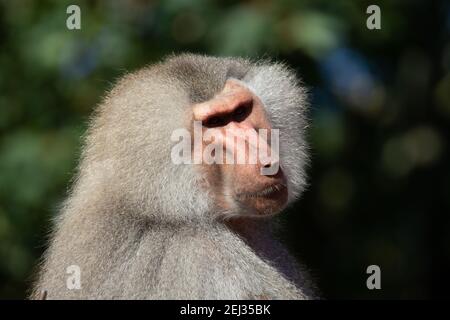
[{"x": 379, "y": 188}]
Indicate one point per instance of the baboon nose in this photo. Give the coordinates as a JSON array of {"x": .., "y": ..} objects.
[{"x": 271, "y": 168}]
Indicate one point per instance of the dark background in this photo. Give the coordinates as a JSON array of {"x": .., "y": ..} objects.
[{"x": 379, "y": 188}]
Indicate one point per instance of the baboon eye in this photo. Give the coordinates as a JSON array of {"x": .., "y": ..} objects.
[
  {"x": 215, "y": 121},
  {"x": 241, "y": 112}
]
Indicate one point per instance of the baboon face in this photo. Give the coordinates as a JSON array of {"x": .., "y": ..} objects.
[{"x": 246, "y": 174}]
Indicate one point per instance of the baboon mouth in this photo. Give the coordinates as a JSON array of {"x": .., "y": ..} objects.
[{"x": 271, "y": 191}]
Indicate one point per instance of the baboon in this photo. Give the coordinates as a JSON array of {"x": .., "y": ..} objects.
[{"x": 140, "y": 226}]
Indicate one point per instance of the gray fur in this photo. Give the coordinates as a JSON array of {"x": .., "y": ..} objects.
[{"x": 141, "y": 227}]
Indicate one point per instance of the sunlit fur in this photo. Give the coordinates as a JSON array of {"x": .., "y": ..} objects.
[{"x": 141, "y": 227}]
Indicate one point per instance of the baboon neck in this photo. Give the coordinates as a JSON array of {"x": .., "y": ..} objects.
[{"x": 253, "y": 231}]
